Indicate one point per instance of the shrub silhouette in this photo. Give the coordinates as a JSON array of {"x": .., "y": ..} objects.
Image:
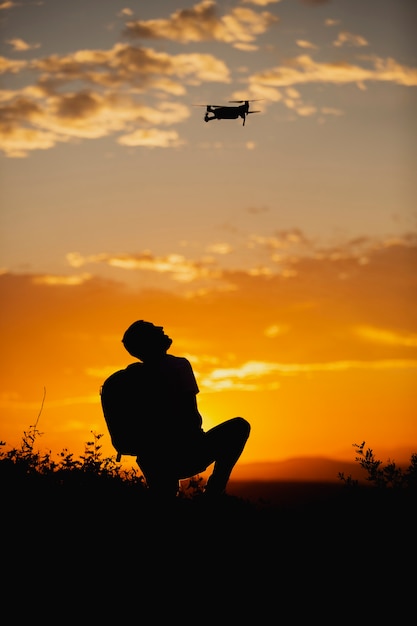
[
  {"x": 25, "y": 467},
  {"x": 383, "y": 477}
]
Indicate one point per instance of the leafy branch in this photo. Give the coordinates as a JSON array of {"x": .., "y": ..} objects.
[{"x": 388, "y": 476}]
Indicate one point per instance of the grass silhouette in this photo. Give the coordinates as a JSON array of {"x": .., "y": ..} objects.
[{"x": 27, "y": 474}]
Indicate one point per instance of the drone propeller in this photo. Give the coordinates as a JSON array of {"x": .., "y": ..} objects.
[
  {"x": 241, "y": 101},
  {"x": 248, "y": 113}
]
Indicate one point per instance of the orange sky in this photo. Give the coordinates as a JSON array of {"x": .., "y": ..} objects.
[
  {"x": 317, "y": 358},
  {"x": 280, "y": 256}
]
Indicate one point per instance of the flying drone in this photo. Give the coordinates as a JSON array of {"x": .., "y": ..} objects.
[{"x": 220, "y": 112}]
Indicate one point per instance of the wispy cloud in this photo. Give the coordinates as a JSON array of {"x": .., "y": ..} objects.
[
  {"x": 255, "y": 375},
  {"x": 331, "y": 22},
  {"x": 19, "y": 45},
  {"x": 68, "y": 281},
  {"x": 302, "y": 43},
  {"x": 202, "y": 23},
  {"x": 19, "y": 404},
  {"x": 344, "y": 38},
  {"x": 386, "y": 337},
  {"x": 304, "y": 70},
  {"x": 152, "y": 137},
  {"x": 177, "y": 266},
  {"x": 260, "y": 3},
  {"x": 44, "y": 114},
  {"x": 283, "y": 255},
  {"x": 9, "y": 4}
]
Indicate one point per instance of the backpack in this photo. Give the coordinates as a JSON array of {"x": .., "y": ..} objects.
[{"x": 120, "y": 401}]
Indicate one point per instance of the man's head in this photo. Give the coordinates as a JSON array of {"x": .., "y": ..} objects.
[{"x": 146, "y": 341}]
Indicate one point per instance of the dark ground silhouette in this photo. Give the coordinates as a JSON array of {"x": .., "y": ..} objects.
[
  {"x": 80, "y": 543},
  {"x": 99, "y": 551}
]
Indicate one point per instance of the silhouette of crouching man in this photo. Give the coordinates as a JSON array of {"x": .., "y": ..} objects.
[{"x": 162, "y": 395}]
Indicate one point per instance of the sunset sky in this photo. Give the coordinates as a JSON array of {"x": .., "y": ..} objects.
[{"x": 280, "y": 256}]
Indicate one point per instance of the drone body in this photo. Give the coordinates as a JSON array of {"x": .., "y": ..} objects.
[{"x": 219, "y": 112}]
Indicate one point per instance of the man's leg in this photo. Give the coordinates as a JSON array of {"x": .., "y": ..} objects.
[
  {"x": 161, "y": 483},
  {"x": 225, "y": 444}
]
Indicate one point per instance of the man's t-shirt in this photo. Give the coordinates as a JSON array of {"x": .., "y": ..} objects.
[
  {"x": 169, "y": 387},
  {"x": 149, "y": 407}
]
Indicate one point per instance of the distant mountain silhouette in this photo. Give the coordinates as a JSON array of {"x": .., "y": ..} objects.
[
  {"x": 293, "y": 482},
  {"x": 305, "y": 469}
]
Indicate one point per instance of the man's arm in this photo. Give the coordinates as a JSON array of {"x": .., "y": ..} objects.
[{"x": 197, "y": 415}]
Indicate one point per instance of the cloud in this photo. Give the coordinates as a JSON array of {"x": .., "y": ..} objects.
[
  {"x": 279, "y": 254},
  {"x": 129, "y": 66},
  {"x": 301, "y": 43},
  {"x": 201, "y": 23},
  {"x": 287, "y": 256},
  {"x": 19, "y": 141},
  {"x": 70, "y": 401},
  {"x": 303, "y": 70},
  {"x": 175, "y": 265},
  {"x": 11, "y": 5},
  {"x": 254, "y": 375},
  {"x": 387, "y": 337},
  {"x": 68, "y": 281},
  {"x": 260, "y": 3},
  {"x": 245, "y": 47},
  {"x": 19, "y": 45},
  {"x": 151, "y": 138},
  {"x": 110, "y": 83},
  {"x": 345, "y": 38},
  {"x": 11, "y": 66},
  {"x": 220, "y": 248},
  {"x": 126, "y": 11}
]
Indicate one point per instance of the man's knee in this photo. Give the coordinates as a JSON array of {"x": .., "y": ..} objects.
[{"x": 242, "y": 426}]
